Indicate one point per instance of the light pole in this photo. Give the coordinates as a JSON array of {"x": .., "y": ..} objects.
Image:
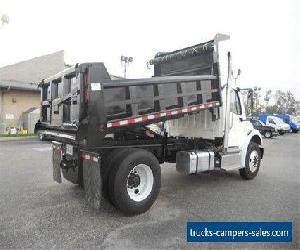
[
  {"x": 256, "y": 96},
  {"x": 125, "y": 60}
]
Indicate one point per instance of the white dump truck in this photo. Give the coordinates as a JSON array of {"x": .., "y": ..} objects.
[{"x": 101, "y": 128}]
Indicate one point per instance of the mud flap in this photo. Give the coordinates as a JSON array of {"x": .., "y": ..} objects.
[
  {"x": 92, "y": 181},
  {"x": 56, "y": 159}
]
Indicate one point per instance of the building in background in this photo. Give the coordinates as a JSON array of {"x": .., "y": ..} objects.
[{"x": 19, "y": 87}]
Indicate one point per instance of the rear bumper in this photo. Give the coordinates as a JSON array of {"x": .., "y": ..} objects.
[{"x": 58, "y": 136}]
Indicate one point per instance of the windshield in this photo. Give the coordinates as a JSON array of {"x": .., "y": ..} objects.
[
  {"x": 293, "y": 119},
  {"x": 278, "y": 120}
]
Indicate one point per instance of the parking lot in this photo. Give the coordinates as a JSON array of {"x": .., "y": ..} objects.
[{"x": 36, "y": 212}]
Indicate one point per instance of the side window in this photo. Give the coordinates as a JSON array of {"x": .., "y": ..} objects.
[
  {"x": 271, "y": 121},
  {"x": 235, "y": 105}
]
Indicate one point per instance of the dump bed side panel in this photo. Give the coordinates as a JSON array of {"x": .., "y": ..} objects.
[
  {"x": 160, "y": 98},
  {"x": 169, "y": 97}
]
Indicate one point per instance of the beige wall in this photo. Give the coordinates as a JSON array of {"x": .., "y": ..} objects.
[{"x": 14, "y": 103}]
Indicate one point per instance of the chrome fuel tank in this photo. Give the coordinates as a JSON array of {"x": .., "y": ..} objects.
[{"x": 192, "y": 162}]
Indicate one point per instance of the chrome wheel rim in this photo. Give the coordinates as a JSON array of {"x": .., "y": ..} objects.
[
  {"x": 253, "y": 161},
  {"x": 140, "y": 182}
]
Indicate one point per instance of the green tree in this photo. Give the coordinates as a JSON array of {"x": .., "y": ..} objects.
[{"x": 285, "y": 102}]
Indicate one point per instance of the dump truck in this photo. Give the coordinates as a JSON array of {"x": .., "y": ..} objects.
[{"x": 103, "y": 134}]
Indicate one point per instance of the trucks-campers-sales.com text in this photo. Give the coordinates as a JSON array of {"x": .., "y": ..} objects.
[{"x": 241, "y": 233}]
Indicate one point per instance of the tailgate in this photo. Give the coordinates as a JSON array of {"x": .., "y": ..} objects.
[{"x": 65, "y": 96}]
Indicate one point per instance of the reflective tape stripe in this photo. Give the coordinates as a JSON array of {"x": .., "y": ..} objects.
[
  {"x": 86, "y": 157},
  {"x": 124, "y": 122},
  {"x": 155, "y": 116}
]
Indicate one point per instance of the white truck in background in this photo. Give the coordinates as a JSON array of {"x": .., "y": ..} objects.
[
  {"x": 102, "y": 141},
  {"x": 275, "y": 122}
]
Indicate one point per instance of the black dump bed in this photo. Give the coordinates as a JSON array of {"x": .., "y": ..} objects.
[{"x": 83, "y": 103}]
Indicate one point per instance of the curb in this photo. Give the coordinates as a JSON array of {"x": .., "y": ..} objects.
[{"x": 17, "y": 138}]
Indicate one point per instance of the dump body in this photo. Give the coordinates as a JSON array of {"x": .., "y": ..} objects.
[{"x": 83, "y": 104}]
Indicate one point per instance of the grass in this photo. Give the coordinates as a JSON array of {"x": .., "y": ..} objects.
[{"x": 17, "y": 135}]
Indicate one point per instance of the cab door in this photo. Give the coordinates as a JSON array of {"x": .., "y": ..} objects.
[{"x": 236, "y": 128}]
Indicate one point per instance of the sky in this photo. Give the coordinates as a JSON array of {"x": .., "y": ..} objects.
[{"x": 265, "y": 35}]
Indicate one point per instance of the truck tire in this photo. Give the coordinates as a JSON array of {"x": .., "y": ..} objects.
[
  {"x": 252, "y": 162},
  {"x": 268, "y": 134},
  {"x": 134, "y": 182},
  {"x": 111, "y": 160},
  {"x": 281, "y": 132}
]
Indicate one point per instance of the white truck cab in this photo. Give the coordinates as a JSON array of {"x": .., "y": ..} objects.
[{"x": 238, "y": 134}]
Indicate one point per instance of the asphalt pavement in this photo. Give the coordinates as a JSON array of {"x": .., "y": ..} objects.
[{"x": 36, "y": 212}]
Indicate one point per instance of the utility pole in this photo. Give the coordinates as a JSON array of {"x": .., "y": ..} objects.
[{"x": 125, "y": 60}]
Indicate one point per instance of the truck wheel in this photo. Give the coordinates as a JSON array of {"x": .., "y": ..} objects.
[
  {"x": 252, "y": 162},
  {"x": 280, "y": 132},
  {"x": 113, "y": 158},
  {"x": 134, "y": 182},
  {"x": 268, "y": 134}
]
